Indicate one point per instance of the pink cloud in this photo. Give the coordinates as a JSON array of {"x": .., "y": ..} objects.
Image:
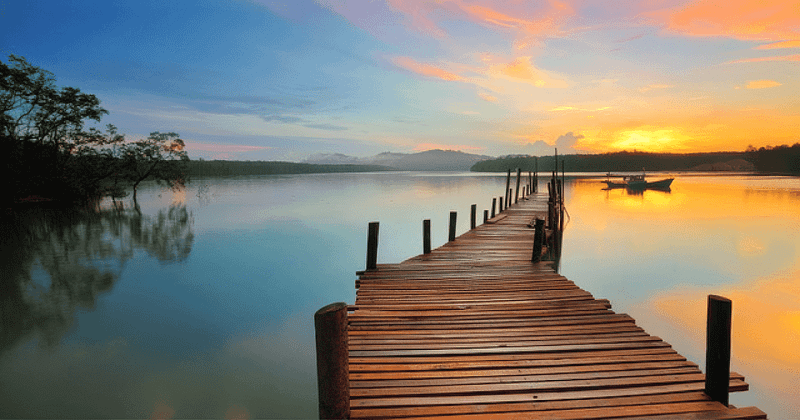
[
  {"x": 780, "y": 44},
  {"x": 795, "y": 57},
  {"x": 756, "y": 20},
  {"x": 423, "y": 69}
]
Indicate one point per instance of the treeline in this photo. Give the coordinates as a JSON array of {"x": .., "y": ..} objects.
[
  {"x": 609, "y": 162},
  {"x": 782, "y": 159},
  {"x": 47, "y": 154},
  {"x": 212, "y": 168}
]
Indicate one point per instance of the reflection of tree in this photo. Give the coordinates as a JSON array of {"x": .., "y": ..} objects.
[{"x": 53, "y": 262}]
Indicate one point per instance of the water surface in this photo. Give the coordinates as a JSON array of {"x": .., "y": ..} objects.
[{"x": 201, "y": 306}]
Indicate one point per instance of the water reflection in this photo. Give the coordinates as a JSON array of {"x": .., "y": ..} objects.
[
  {"x": 657, "y": 256},
  {"x": 57, "y": 261}
]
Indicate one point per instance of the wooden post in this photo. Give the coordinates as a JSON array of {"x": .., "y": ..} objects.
[
  {"x": 472, "y": 215},
  {"x": 494, "y": 204},
  {"x": 372, "y": 246},
  {"x": 718, "y": 348},
  {"x": 486, "y": 215},
  {"x": 426, "y": 236},
  {"x": 508, "y": 185},
  {"x": 538, "y": 238},
  {"x": 516, "y": 195},
  {"x": 510, "y": 194},
  {"x": 333, "y": 382},
  {"x": 536, "y": 174},
  {"x": 501, "y": 204},
  {"x": 452, "y": 234}
]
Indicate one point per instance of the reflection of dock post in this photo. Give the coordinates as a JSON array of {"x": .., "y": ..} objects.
[
  {"x": 538, "y": 238},
  {"x": 718, "y": 348},
  {"x": 333, "y": 382},
  {"x": 372, "y": 246},
  {"x": 452, "y": 231},
  {"x": 426, "y": 236}
]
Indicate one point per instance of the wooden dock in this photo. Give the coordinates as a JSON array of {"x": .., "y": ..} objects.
[{"x": 474, "y": 329}]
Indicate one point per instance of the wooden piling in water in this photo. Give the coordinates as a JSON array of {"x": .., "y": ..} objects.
[
  {"x": 501, "y": 204},
  {"x": 494, "y": 204},
  {"x": 718, "y": 348},
  {"x": 426, "y": 236},
  {"x": 508, "y": 185},
  {"x": 516, "y": 195},
  {"x": 472, "y": 214},
  {"x": 333, "y": 373},
  {"x": 485, "y": 215},
  {"x": 452, "y": 231},
  {"x": 372, "y": 246},
  {"x": 538, "y": 238}
]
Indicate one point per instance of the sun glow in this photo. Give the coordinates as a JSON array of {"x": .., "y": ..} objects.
[{"x": 663, "y": 140}]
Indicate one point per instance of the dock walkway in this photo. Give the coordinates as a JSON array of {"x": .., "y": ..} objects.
[{"x": 475, "y": 330}]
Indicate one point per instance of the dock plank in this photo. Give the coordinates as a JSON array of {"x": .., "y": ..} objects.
[{"x": 475, "y": 330}]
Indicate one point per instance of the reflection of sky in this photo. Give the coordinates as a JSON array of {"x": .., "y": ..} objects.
[
  {"x": 658, "y": 255},
  {"x": 229, "y": 329}
]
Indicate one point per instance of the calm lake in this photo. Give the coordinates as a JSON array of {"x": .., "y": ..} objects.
[{"x": 202, "y": 305}]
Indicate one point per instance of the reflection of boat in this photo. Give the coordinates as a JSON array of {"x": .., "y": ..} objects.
[{"x": 638, "y": 182}]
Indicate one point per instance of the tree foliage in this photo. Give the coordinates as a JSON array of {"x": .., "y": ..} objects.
[{"x": 48, "y": 153}]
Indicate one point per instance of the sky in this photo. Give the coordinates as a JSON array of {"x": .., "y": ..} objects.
[{"x": 284, "y": 80}]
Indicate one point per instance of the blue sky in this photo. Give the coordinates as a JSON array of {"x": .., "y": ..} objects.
[{"x": 283, "y": 80}]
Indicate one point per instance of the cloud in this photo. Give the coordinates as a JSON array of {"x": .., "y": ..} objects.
[
  {"x": 427, "y": 70},
  {"x": 654, "y": 86},
  {"x": 568, "y": 141},
  {"x": 755, "y": 20},
  {"x": 780, "y": 44},
  {"x": 795, "y": 57},
  {"x": 329, "y": 127},
  {"x": 487, "y": 97},
  {"x": 528, "y": 21},
  {"x": 761, "y": 84},
  {"x": 522, "y": 70}
]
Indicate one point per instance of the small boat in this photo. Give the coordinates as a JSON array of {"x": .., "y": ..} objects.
[{"x": 638, "y": 182}]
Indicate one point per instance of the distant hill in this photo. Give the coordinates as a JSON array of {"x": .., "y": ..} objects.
[
  {"x": 213, "y": 168},
  {"x": 431, "y": 160}
]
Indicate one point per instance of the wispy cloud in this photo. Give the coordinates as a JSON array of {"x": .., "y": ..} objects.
[
  {"x": 795, "y": 57},
  {"x": 423, "y": 69},
  {"x": 654, "y": 87},
  {"x": 780, "y": 44},
  {"x": 762, "y": 84},
  {"x": 522, "y": 70},
  {"x": 756, "y": 20},
  {"x": 487, "y": 97}
]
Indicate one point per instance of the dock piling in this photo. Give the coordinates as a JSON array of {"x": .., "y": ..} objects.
[
  {"x": 333, "y": 382},
  {"x": 718, "y": 348},
  {"x": 485, "y": 215},
  {"x": 472, "y": 215},
  {"x": 538, "y": 238},
  {"x": 372, "y": 246},
  {"x": 426, "y": 236},
  {"x": 494, "y": 204},
  {"x": 516, "y": 195},
  {"x": 452, "y": 231}
]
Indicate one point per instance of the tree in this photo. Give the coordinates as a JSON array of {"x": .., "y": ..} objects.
[
  {"x": 47, "y": 153},
  {"x": 161, "y": 156}
]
